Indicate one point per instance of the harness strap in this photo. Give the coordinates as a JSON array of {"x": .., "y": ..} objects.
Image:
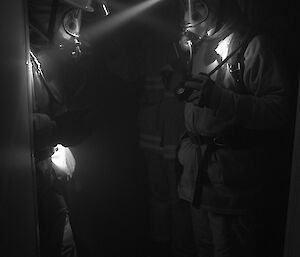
[
  {"x": 224, "y": 61},
  {"x": 238, "y": 140},
  {"x": 238, "y": 68},
  {"x": 237, "y": 65},
  {"x": 212, "y": 144}
]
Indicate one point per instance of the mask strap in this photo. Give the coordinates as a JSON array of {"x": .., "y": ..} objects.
[{"x": 225, "y": 60}]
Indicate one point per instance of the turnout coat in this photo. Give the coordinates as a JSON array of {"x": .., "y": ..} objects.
[{"x": 240, "y": 173}]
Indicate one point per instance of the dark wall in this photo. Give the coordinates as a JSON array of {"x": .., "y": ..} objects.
[{"x": 18, "y": 234}]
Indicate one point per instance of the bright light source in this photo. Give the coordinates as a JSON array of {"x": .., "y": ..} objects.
[
  {"x": 36, "y": 62},
  {"x": 64, "y": 161},
  {"x": 222, "y": 48},
  {"x": 105, "y": 9}
]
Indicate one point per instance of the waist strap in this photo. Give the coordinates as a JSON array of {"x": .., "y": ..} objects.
[
  {"x": 239, "y": 139},
  {"x": 206, "y": 140}
]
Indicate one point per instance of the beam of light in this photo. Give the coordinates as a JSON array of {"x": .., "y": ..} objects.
[
  {"x": 190, "y": 11},
  {"x": 114, "y": 21},
  {"x": 157, "y": 22}
]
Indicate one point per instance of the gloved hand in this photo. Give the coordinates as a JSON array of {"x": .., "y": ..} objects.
[
  {"x": 73, "y": 126},
  {"x": 196, "y": 89}
]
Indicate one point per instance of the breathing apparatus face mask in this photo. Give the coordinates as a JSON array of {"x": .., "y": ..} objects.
[
  {"x": 57, "y": 23},
  {"x": 68, "y": 34},
  {"x": 195, "y": 14},
  {"x": 69, "y": 30},
  {"x": 56, "y": 42},
  {"x": 71, "y": 22}
]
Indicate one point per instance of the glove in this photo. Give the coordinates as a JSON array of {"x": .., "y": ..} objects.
[
  {"x": 196, "y": 90},
  {"x": 73, "y": 126}
]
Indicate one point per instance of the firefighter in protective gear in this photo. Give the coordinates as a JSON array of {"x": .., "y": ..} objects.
[
  {"x": 53, "y": 122},
  {"x": 236, "y": 110},
  {"x": 160, "y": 126}
]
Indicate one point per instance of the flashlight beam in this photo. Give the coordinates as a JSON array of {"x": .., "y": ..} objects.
[{"x": 115, "y": 21}]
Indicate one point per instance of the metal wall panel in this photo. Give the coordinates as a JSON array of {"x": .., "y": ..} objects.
[
  {"x": 292, "y": 241},
  {"x": 18, "y": 223}
]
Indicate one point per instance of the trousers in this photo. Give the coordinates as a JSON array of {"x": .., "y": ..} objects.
[
  {"x": 224, "y": 235},
  {"x": 55, "y": 232}
]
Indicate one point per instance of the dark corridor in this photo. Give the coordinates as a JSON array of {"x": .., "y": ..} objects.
[{"x": 109, "y": 195}]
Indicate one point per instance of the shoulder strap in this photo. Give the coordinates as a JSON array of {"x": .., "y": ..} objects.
[
  {"x": 237, "y": 65},
  {"x": 52, "y": 91}
]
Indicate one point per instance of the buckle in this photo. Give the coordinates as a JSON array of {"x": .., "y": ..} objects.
[{"x": 234, "y": 68}]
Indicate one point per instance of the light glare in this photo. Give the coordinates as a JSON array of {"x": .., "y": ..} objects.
[
  {"x": 105, "y": 9},
  {"x": 63, "y": 160},
  {"x": 114, "y": 21}
]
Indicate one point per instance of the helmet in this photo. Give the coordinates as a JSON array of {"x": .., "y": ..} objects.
[
  {"x": 81, "y": 4},
  {"x": 45, "y": 14},
  {"x": 54, "y": 27}
]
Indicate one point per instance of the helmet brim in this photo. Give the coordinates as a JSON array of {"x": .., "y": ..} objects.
[{"x": 86, "y": 8}]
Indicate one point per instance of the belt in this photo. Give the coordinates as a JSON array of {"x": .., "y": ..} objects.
[
  {"x": 218, "y": 141},
  {"x": 244, "y": 138},
  {"x": 240, "y": 139}
]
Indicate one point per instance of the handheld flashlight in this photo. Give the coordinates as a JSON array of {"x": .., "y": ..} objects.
[{"x": 104, "y": 7}]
